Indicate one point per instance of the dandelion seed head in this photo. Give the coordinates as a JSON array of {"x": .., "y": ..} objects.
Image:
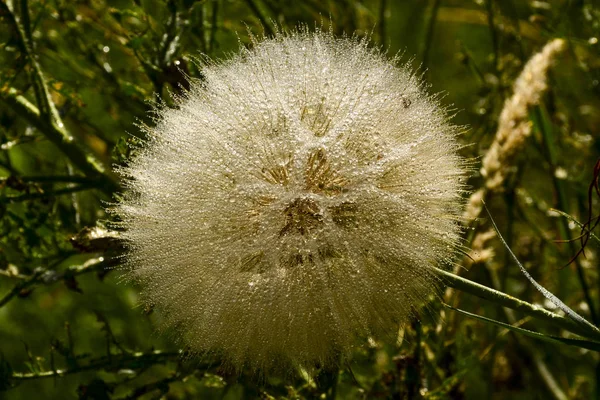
[{"x": 293, "y": 202}]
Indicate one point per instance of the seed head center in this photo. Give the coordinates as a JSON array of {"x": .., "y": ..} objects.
[{"x": 302, "y": 215}]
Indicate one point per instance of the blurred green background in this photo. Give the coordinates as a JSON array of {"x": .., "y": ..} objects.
[{"x": 104, "y": 63}]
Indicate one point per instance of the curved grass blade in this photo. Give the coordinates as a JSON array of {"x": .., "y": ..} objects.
[
  {"x": 584, "y": 344},
  {"x": 505, "y": 300},
  {"x": 557, "y": 302},
  {"x": 579, "y": 224}
]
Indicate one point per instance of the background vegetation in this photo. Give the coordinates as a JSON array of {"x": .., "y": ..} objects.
[{"x": 89, "y": 70}]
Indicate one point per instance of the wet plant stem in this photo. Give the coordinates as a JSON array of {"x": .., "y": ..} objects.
[
  {"x": 115, "y": 362},
  {"x": 429, "y": 33},
  {"x": 513, "y": 303},
  {"x": 494, "y": 37},
  {"x": 45, "y": 116},
  {"x": 61, "y": 138},
  {"x": 545, "y": 127},
  {"x": 543, "y": 371},
  {"x": 261, "y": 17}
]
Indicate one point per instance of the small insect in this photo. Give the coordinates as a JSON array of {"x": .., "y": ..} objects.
[{"x": 405, "y": 102}]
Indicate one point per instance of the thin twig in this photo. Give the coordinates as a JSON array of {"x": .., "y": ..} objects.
[
  {"x": 116, "y": 362},
  {"x": 152, "y": 386},
  {"x": 51, "y": 179},
  {"x": 39, "y": 276},
  {"x": 45, "y": 195},
  {"x": 25, "y": 40},
  {"x": 19, "y": 287},
  {"x": 45, "y": 117},
  {"x": 58, "y": 135}
]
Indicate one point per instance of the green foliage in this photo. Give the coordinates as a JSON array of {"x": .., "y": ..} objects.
[{"x": 79, "y": 78}]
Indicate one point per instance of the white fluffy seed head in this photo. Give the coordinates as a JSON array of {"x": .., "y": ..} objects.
[{"x": 293, "y": 203}]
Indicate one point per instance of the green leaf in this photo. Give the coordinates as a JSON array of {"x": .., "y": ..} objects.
[{"x": 584, "y": 344}]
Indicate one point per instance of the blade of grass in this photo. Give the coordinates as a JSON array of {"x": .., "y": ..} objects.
[
  {"x": 543, "y": 124},
  {"x": 381, "y": 22},
  {"x": 427, "y": 40},
  {"x": 489, "y": 5},
  {"x": 513, "y": 303},
  {"x": 261, "y": 17},
  {"x": 584, "y": 344},
  {"x": 547, "y": 294},
  {"x": 579, "y": 224}
]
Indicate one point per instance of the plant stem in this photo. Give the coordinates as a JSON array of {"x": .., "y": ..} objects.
[
  {"x": 429, "y": 33},
  {"x": 381, "y": 22},
  {"x": 263, "y": 20},
  {"x": 213, "y": 26},
  {"x": 508, "y": 301},
  {"x": 45, "y": 116},
  {"x": 490, "y": 16},
  {"x": 545, "y": 126},
  {"x": 50, "y": 179},
  {"x": 44, "y": 195},
  {"x": 62, "y": 139},
  {"x": 115, "y": 362},
  {"x": 93, "y": 264}
]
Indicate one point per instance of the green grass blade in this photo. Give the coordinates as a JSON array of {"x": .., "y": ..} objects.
[
  {"x": 547, "y": 294},
  {"x": 579, "y": 224},
  {"x": 584, "y": 344}
]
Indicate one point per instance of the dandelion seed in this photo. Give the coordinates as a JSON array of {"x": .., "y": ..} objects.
[{"x": 292, "y": 203}]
